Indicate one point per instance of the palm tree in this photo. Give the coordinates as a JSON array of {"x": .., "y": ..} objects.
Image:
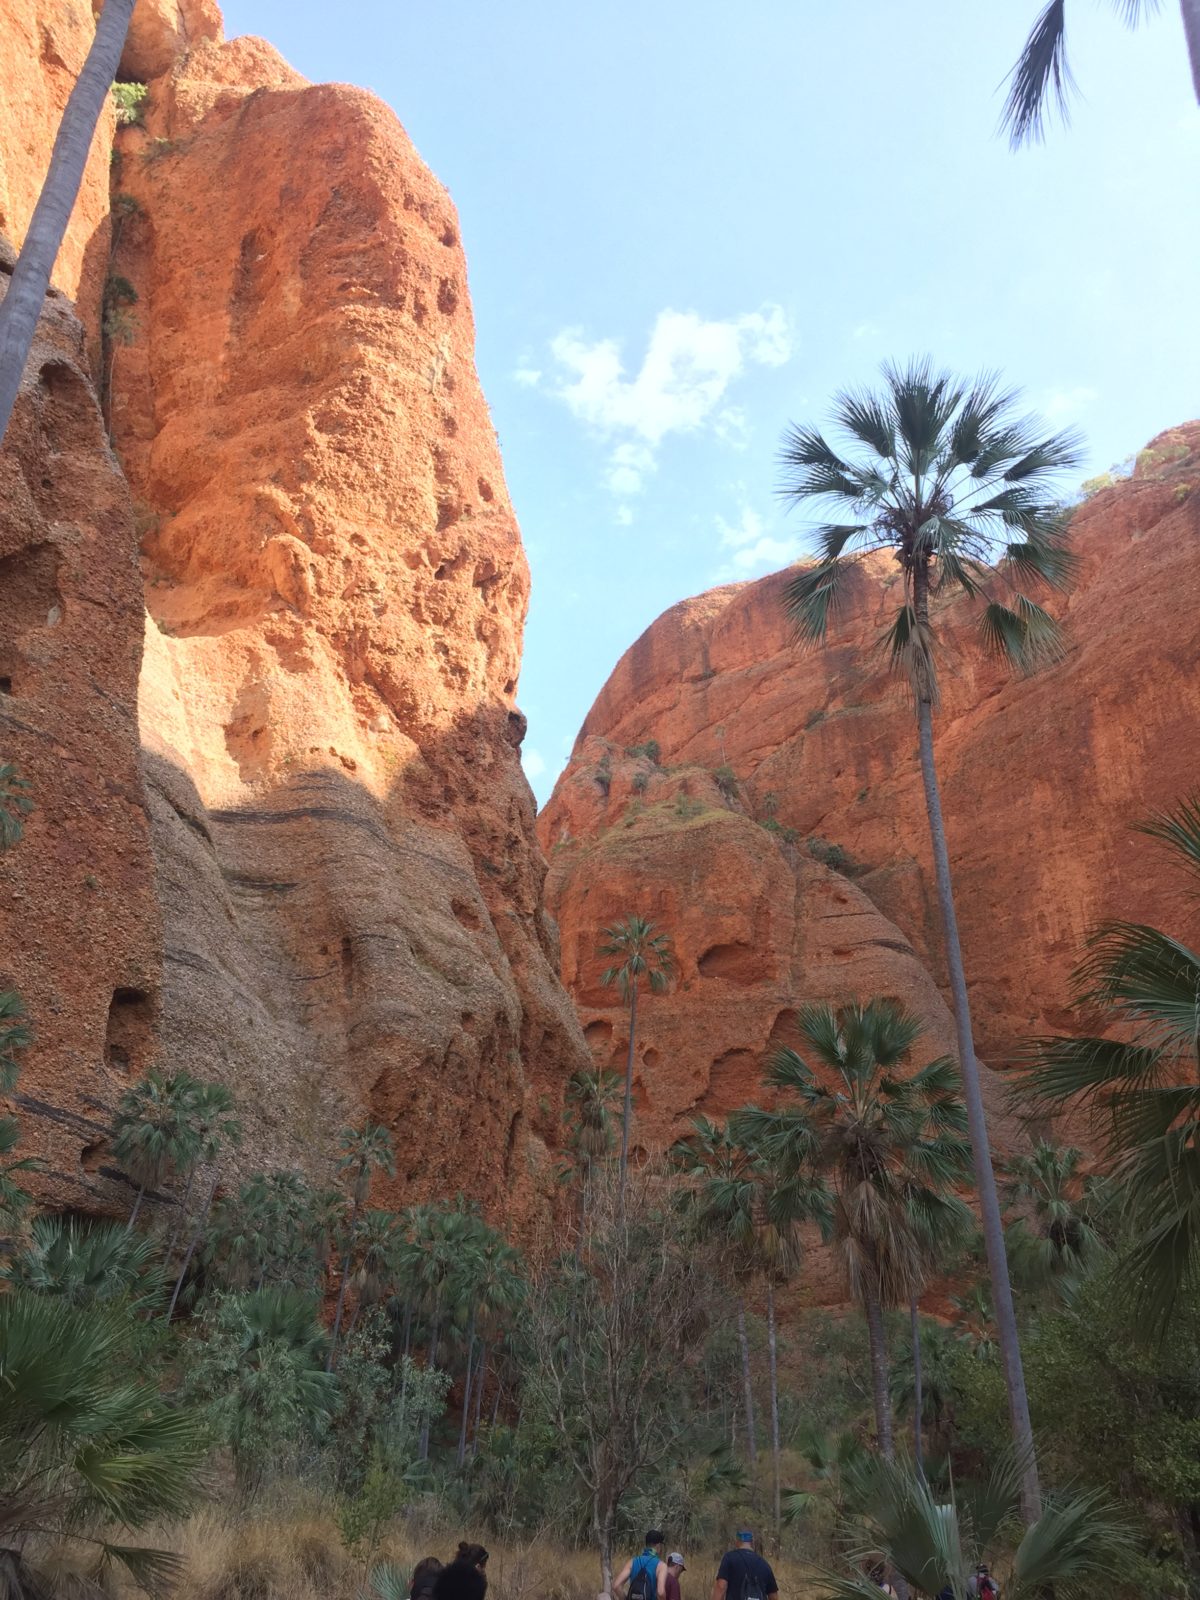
[
  {"x": 14, "y": 1200},
  {"x": 364, "y": 1150},
  {"x": 1145, "y": 1085},
  {"x": 88, "y": 1263},
  {"x": 15, "y": 1035},
  {"x": 940, "y": 1230},
  {"x": 85, "y": 1441},
  {"x": 1054, "y": 1236},
  {"x": 945, "y": 476},
  {"x": 1042, "y": 73},
  {"x": 153, "y": 1132},
  {"x": 926, "y": 1379},
  {"x": 213, "y": 1126},
  {"x": 591, "y": 1095},
  {"x": 934, "y": 1546},
  {"x": 27, "y": 287},
  {"x": 889, "y": 1148},
  {"x": 492, "y": 1286},
  {"x": 755, "y": 1206},
  {"x": 643, "y": 952}
]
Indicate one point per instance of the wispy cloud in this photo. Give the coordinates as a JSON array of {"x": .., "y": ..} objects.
[
  {"x": 527, "y": 377},
  {"x": 754, "y": 549},
  {"x": 1066, "y": 405},
  {"x": 688, "y": 366},
  {"x": 534, "y": 763},
  {"x": 624, "y": 516}
]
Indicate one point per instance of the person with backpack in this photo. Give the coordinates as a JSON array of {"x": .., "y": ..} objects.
[
  {"x": 645, "y": 1576},
  {"x": 981, "y": 1585},
  {"x": 743, "y": 1573}
]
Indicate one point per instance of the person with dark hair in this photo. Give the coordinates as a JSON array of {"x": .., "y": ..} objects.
[
  {"x": 743, "y": 1574},
  {"x": 645, "y": 1576},
  {"x": 425, "y": 1571},
  {"x": 464, "y": 1577}
]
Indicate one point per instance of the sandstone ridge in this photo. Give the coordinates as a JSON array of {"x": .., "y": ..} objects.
[{"x": 344, "y": 913}]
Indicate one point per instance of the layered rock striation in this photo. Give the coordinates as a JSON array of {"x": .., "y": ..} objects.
[
  {"x": 341, "y": 841},
  {"x": 772, "y": 760}
]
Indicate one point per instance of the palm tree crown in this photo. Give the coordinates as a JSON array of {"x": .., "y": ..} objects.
[
  {"x": 641, "y": 952},
  {"x": 1146, "y": 1084},
  {"x": 1054, "y": 1235},
  {"x": 947, "y": 477}
]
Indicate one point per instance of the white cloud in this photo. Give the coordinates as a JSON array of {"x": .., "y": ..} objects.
[
  {"x": 754, "y": 550},
  {"x": 624, "y": 516},
  {"x": 534, "y": 763},
  {"x": 527, "y": 377},
  {"x": 865, "y": 330},
  {"x": 1065, "y": 405},
  {"x": 688, "y": 367}
]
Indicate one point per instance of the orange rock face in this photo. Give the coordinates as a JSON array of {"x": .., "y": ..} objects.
[
  {"x": 1042, "y": 778},
  {"x": 345, "y": 867},
  {"x": 78, "y": 917}
]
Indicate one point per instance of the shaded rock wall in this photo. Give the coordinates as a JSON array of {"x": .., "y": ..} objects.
[
  {"x": 1042, "y": 778},
  {"x": 344, "y": 862}
]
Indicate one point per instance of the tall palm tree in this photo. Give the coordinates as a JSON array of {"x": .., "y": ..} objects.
[
  {"x": 755, "y": 1205},
  {"x": 1042, "y": 73},
  {"x": 27, "y": 287},
  {"x": 640, "y": 952},
  {"x": 153, "y": 1130},
  {"x": 364, "y": 1151},
  {"x": 889, "y": 1148},
  {"x": 591, "y": 1095},
  {"x": 213, "y": 1127},
  {"x": 1145, "y": 1085},
  {"x": 940, "y": 1230},
  {"x": 945, "y": 476},
  {"x": 1054, "y": 1235}
]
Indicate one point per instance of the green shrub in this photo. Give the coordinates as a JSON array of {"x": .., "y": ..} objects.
[
  {"x": 650, "y": 750},
  {"x": 726, "y": 781},
  {"x": 130, "y": 102}
]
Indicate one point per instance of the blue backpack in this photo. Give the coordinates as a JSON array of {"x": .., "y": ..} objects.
[{"x": 643, "y": 1578}]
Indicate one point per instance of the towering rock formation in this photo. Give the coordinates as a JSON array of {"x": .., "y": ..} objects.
[
  {"x": 1042, "y": 779},
  {"x": 344, "y": 860}
]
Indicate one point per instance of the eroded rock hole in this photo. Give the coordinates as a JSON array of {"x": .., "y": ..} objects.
[
  {"x": 128, "y": 1031},
  {"x": 736, "y": 963}
]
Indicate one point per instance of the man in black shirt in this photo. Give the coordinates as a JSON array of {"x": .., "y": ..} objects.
[{"x": 744, "y": 1575}]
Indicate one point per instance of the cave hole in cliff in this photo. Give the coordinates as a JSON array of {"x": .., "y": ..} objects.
[
  {"x": 92, "y": 1155},
  {"x": 128, "y": 1031},
  {"x": 732, "y": 1080},
  {"x": 70, "y": 418},
  {"x": 598, "y": 1034},
  {"x": 32, "y": 600},
  {"x": 736, "y": 963},
  {"x": 466, "y": 915}
]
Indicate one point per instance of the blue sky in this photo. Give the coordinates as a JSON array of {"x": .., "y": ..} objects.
[{"x": 687, "y": 223}]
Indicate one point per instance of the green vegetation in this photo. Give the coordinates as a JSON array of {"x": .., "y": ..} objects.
[
  {"x": 649, "y": 749},
  {"x": 129, "y": 99},
  {"x": 641, "y": 953}
]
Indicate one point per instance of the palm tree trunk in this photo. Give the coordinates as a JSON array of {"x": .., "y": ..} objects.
[
  {"x": 774, "y": 1404},
  {"x": 747, "y": 1390},
  {"x": 1191, "y": 28},
  {"x": 434, "y": 1338},
  {"x": 343, "y": 1285},
  {"x": 191, "y": 1249},
  {"x": 914, "y": 1322},
  {"x": 480, "y": 1382},
  {"x": 985, "y": 1178},
  {"x": 879, "y": 1377},
  {"x": 627, "y": 1115},
  {"x": 466, "y": 1404},
  {"x": 137, "y": 1206},
  {"x": 31, "y": 276},
  {"x": 177, "y": 1229}
]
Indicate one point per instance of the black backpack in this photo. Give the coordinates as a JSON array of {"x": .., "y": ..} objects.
[{"x": 752, "y": 1583}]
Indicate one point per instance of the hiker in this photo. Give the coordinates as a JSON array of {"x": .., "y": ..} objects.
[
  {"x": 981, "y": 1585},
  {"x": 675, "y": 1565},
  {"x": 878, "y": 1576},
  {"x": 743, "y": 1574},
  {"x": 425, "y": 1571},
  {"x": 464, "y": 1578},
  {"x": 645, "y": 1576}
]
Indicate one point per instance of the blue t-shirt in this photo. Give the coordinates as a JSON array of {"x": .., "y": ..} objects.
[{"x": 746, "y": 1573}]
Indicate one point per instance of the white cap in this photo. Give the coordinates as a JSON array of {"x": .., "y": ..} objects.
[{"x": 676, "y": 1560}]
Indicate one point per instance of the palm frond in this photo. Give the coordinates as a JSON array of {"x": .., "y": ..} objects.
[
  {"x": 1025, "y": 635},
  {"x": 1078, "y": 1537},
  {"x": 1179, "y": 828},
  {"x": 909, "y": 646},
  {"x": 1041, "y": 75},
  {"x": 1151, "y": 978},
  {"x": 1059, "y": 1070},
  {"x": 866, "y": 419},
  {"x": 812, "y": 595}
]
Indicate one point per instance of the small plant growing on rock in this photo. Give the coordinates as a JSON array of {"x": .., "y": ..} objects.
[
  {"x": 130, "y": 102},
  {"x": 650, "y": 750},
  {"x": 640, "y": 782},
  {"x": 834, "y": 856},
  {"x": 604, "y": 774},
  {"x": 727, "y": 781}
]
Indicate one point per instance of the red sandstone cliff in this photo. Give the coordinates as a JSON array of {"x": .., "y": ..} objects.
[
  {"x": 1042, "y": 778},
  {"x": 341, "y": 855}
]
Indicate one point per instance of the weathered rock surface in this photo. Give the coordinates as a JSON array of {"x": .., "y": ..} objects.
[
  {"x": 78, "y": 918},
  {"x": 1042, "y": 778},
  {"x": 345, "y": 869}
]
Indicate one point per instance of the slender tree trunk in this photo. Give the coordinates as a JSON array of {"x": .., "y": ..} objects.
[
  {"x": 137, "y": 1206},
  {"x": 31, "y": 276},
  {"x": 774, "y": 1405},
  {"x": 627, "y": 1115},
  {"x": 914, "y": 1320},
  {"x": 434, "y": 1338},
  {"x": 1190, "y": 10},
  {"x": 747, "y": 1390},
  {"x": 496, "y": 1406},
  {"x": 604, "y": 1542},
  {"x": 480, "y": 1382},
  {"x": 985, "y": 1178},
  {"x": 191, "y": 1249},
  {"x": 879, "y": 1377},
  {"x": 466, "y": 1404},
  {"x": 177, "y": 1229},
  {"x": 344, "y": 1284}
]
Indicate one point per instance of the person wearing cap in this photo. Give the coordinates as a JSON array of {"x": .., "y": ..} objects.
[
  {"x": 743, "y": 1573},
  {"x": 675, "y": 1565},
  {"x": 645, "y": 1576}
]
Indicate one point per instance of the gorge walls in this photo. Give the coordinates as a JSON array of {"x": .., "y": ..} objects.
[{"x": 345, "y": 914}]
